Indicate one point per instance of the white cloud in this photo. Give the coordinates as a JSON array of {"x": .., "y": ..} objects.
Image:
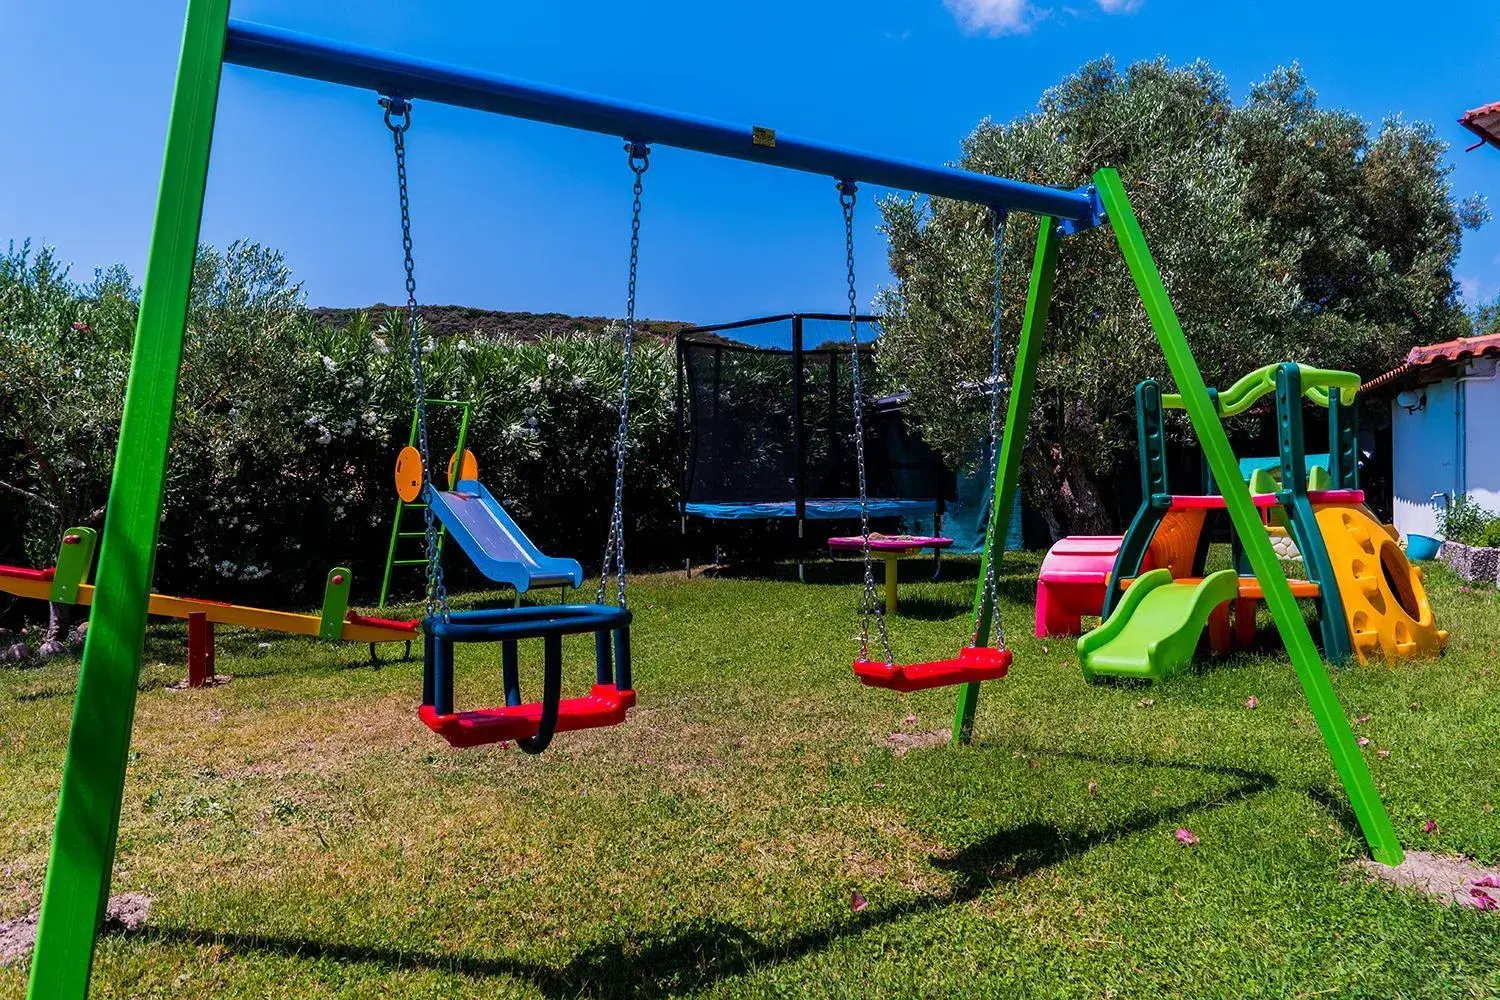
[
  {"x": 1017, "y": 17},
  {"x": 994, "y": 17},
  {"x": 1471, "y": 287}
]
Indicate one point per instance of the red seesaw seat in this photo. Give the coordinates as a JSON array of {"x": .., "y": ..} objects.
[
  {"x": 394, "y": 624},
  {"x": 22, "y": 573},
  {"x": 973, "y": 664},
  {"x": 602, "y": 706}
]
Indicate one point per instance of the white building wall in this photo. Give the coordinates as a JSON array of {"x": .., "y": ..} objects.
[
  {"x": 1425, "y": 458},
  {"x": 1481, "y": 389}
]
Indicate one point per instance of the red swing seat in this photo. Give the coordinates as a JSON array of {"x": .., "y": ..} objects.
[
  {"x": 603, "y": 706},
  {"x": 973, "y": 664}
]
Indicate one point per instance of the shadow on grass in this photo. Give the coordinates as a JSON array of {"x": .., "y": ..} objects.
[
  {"x": 930, "y": 609},
  {"x": 703, "y": 951},
  {"x": 842, "y": 572}
]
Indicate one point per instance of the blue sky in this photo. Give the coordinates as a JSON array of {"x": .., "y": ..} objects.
[{"x": 515, "y": 215}]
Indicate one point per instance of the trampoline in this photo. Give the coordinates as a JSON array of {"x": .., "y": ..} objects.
[
  {"x": 813, "y": 510},
  {"x": 766, "y": 429}
]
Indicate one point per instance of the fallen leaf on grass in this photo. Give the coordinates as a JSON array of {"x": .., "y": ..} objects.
[
  {"x": 1145, "y": 703},
  {"x": 858, "y": 902},
  {"x": 1361, "y": 719},
  {"x": 1382, "y": 754},
  {"x": 1093, "y": 788},
  {"x": 1252, "y": 702},
  {"x": 1429, "y": 826},
  {"x": 1363, "y": 741},
  {"x": 1186, "y": 837}
]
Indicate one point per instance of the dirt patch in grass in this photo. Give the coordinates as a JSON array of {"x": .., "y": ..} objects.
[
  {"x": 126, "y": 912},
  {"x": 1448, "y": 879},
  {"x": 16, "y": 938},
  {"x": 903, "y": 743}
]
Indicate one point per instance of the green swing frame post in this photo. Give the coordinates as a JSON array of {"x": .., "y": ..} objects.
[
  {"x": 93, "y": 781},
  {"x": 1203, "y": 410},
  {"x": 1008, "y": 462},
  {"x": 88, "y": 814}
]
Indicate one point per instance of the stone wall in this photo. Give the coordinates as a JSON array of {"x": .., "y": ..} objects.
[{"x": 1471, "y": 562}]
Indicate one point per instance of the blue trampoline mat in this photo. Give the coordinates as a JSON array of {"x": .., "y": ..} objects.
[{"x": 817, "y": 510}]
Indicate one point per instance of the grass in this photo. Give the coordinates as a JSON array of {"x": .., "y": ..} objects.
[{"x": 303, "y": 835}]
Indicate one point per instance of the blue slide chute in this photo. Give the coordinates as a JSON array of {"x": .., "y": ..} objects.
[{"x": 496, "y": 545}]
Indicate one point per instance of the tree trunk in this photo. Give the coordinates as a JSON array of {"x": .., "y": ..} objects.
[
  {"x": 55, "y": 642},
  {"x": 1065, "y": 494}
]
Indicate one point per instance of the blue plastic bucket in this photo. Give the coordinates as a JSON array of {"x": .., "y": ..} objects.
[{"x": 1420, "y": 547}]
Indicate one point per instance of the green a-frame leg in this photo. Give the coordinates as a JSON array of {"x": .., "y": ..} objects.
[
  {"x": 1202, "y": 411},
  {"x": 88, "y": 807},
  {"x": 1008, "y": 462}
]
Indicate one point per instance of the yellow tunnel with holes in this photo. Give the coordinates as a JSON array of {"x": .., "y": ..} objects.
[{"x": 1384, "y": 600}]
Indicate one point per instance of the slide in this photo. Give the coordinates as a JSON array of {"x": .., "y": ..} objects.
[
  {"x": 1155, "y": 629},
  {"x": 1385, "y": 603},
  {"x": 496, "y": 545}
]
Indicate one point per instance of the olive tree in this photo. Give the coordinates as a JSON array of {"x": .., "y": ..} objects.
[{"x": 1283, "y": 231}]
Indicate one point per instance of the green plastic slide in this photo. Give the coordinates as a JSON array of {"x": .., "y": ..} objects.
[{"x": 1155, "y": 629}]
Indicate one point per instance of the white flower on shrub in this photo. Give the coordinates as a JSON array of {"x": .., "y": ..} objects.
[
  {"x": 553, "y": 361},
  {"x": 579, "y": 381},
  {"x": 329, "y": 364},
  {"x": 225, "y": 568},
  {"x": 381, "y": 347},
  {"x": 313, "y": 420},
  {"x": 325, "y": 436},
  {"x": 369, "y": 418},
  {"x": 536, "y": 386},
  {"x": 463, "y": 345}
]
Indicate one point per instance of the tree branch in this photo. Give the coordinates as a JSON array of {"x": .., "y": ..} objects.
[{"x": 33, "y": 497}]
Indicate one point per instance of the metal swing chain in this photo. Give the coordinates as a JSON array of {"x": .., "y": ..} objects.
[
  {"x": 997, "y": 312},
  {"x": 871, "y": 606},
  {"x": 614, "y": 546},
  {"x": 398, "y": 120}
]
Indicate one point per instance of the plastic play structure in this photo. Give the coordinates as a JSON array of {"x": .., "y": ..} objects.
[
  {"x": 1150, "y": 586},
  {"x": 66, "y": 582},
  {"x": 481, "y": 526},
  {"x": 84, "y": 839}
]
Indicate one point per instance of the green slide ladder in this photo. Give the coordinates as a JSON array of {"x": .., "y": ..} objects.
[{"x": 398, "y": 533}]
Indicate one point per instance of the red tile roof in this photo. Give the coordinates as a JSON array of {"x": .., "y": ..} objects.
[
  {"x": 1485, "y": 123},
  {"x": 1449, "y": 352}
]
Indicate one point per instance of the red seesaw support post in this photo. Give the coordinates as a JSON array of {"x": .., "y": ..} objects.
[{"x": 200, "y": 650}]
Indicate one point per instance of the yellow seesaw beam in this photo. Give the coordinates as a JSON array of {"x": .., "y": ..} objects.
[{"x": 221, "y": 613}]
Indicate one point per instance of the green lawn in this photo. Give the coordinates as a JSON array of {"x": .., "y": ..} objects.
[{"x": 303, "y": 835}]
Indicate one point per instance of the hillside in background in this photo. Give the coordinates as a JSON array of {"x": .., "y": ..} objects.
[{"x": 493, "y": 324}]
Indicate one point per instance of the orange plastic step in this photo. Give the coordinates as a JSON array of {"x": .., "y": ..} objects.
[{"x": 1250, "y": 588}]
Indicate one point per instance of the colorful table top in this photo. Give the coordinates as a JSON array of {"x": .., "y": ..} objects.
[{"x": 888, "y": 543}]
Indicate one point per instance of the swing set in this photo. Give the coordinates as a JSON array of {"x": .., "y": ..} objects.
[{"x": 84, "y": 839}]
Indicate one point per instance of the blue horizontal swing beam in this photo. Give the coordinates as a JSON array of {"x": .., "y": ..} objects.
[{"x": 261, "y": 47}]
